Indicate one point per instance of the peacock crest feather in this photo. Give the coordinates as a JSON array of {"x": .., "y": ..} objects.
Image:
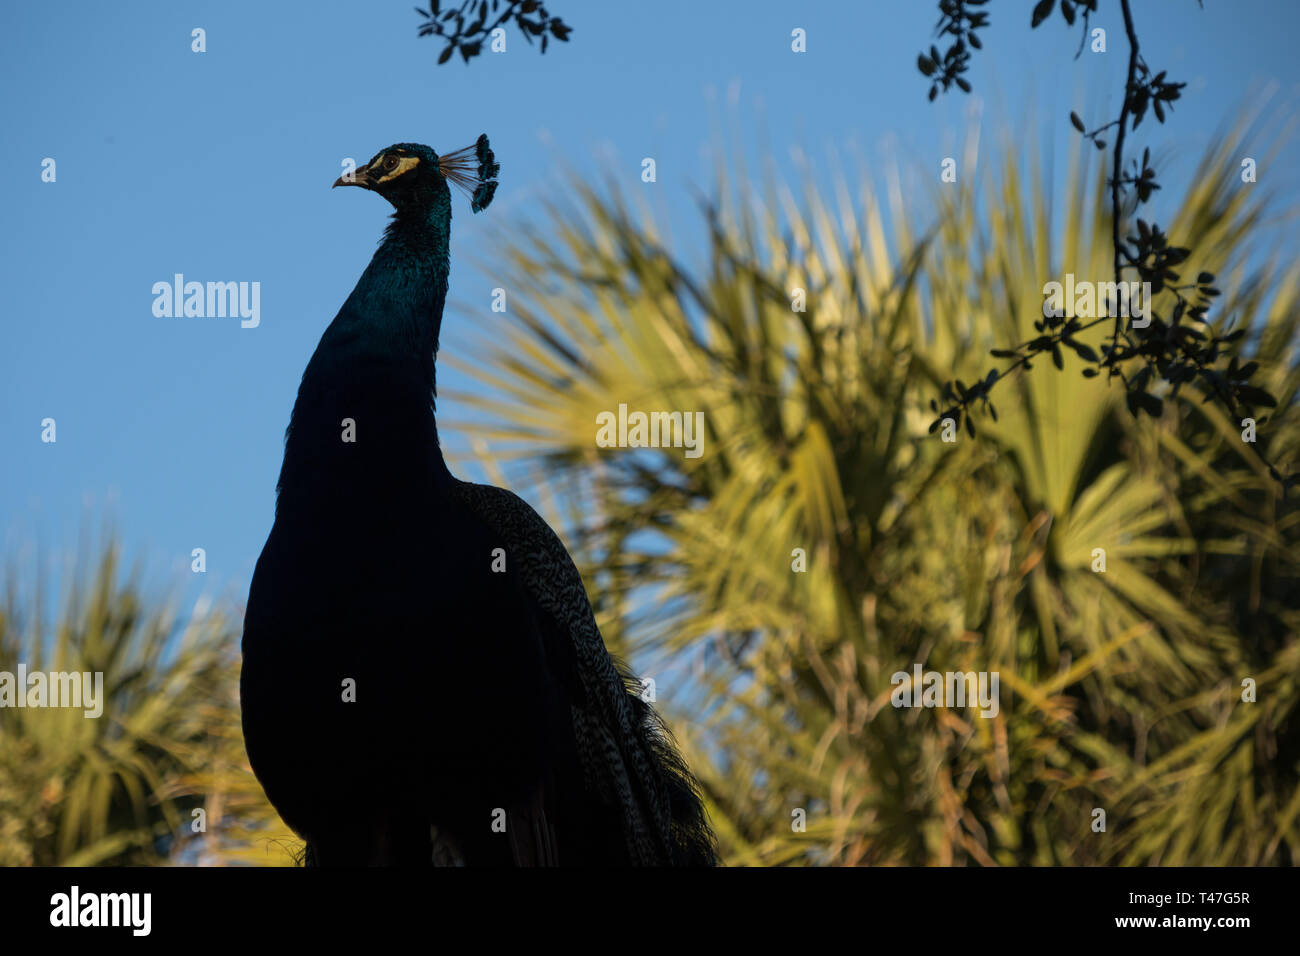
[{"x": 473, "y": 170}]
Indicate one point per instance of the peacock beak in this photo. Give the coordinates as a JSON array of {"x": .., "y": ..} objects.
[{"x": 358, "y": 177}]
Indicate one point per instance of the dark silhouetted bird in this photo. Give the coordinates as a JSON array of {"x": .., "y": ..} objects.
[{"x": 423, "y": 677}]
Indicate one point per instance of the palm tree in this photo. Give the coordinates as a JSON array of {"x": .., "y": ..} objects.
[
  {"x": 1122, "y": 699},
  {"x": 160, "y": 775}
]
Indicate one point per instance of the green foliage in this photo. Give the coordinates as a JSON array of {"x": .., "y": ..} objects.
[
  {"x": 1175, "y": 346},
  {"x": 465, "y": 25},
  {"x": 120, "y": 789},
  {"x": 1121, "y": 689}
]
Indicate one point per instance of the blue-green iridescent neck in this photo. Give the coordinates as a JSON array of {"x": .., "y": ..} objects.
[{"x": 395, "y": 310}]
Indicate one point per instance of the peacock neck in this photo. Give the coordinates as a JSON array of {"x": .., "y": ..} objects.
[
  {"x": 377, "y": 357},
  {"x": 395, "y": 310}
]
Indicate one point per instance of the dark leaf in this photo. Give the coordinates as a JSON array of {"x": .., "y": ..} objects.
[
  {"x": 1140, "y": 108},
  {"x": 1042, "y": 10},
  {"x": 1256, "y": 396},
  {"x": 1083, "y": 351},
  {"x": 1078, "y": 123},
  {"x": 1150, "y": 404}
]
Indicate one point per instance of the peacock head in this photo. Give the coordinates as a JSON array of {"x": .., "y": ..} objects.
[{"x": 413, "y": 177}]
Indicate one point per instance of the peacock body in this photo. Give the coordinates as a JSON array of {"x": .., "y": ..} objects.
[{"x": 402, "y": 699}]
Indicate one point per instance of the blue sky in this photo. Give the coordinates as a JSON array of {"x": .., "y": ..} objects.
[{"x": 217, "y": 165}]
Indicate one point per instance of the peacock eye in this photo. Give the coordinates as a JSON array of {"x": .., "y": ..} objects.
[{"x": 390, "y": 163}]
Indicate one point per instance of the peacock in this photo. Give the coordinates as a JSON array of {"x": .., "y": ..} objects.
[{"x": 423, "y": 678}]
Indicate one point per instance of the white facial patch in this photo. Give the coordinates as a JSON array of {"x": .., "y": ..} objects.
[{"x": 404, "y": 163}]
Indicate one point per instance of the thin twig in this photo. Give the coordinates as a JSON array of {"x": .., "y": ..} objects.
[{"x": 1130, "y": 84}]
